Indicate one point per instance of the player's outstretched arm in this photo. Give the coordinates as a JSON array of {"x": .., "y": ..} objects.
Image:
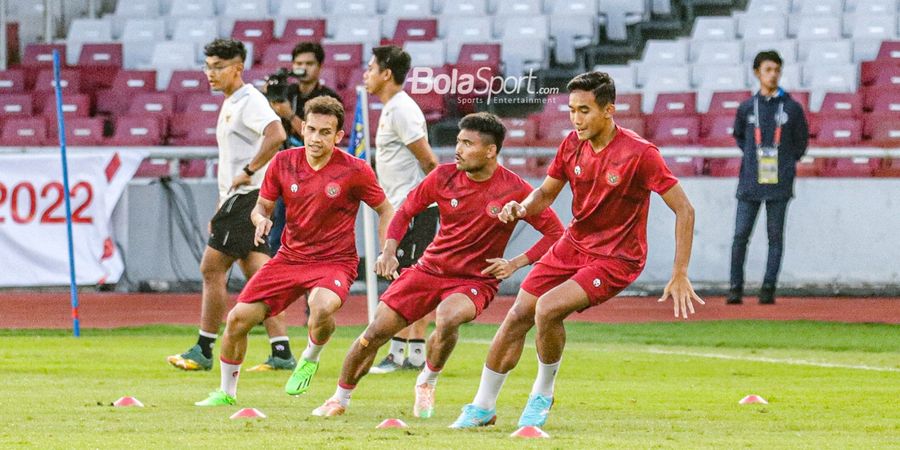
[
  {"x": 260, "y": 217},
  {"x": 536, "y": 202},
  {"x": 679, "y": 286},
  {"x": 385, "y": 215}
]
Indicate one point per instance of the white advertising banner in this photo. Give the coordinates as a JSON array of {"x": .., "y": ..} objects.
[{"x": 33, "y": 248}]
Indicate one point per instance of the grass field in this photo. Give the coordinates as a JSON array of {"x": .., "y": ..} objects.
[{"x": 620, "y": 386}]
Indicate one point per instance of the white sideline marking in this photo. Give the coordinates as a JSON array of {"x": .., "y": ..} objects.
[{"x": 798, "y": 362}]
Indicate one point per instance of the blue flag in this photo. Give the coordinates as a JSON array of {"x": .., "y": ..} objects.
[{"x": 358, "y": 134}]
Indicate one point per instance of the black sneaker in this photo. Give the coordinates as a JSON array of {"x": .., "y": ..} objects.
[
  {"x": 767, "y": 295},
  {"x": 387, "y": 365},
  {"x": 735, "y": 297}
]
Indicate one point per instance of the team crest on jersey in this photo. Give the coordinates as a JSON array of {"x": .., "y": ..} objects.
[
  {"x": 597, "y": 282},
  {"x": 577, "y": 170},
  {"x": 332, "y": 190},
  {"x": 454, "y": 203},
  {"x": 474, "y": 291},
  {"x": 613, "y": 178},
  {"x": 294, "y": 187},
  {"x": 493, "y": 208}
]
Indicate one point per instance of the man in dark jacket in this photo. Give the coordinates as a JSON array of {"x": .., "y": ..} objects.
[{"x": 770, "y": 129}]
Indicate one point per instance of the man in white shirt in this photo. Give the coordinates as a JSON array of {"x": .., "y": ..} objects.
[
  {"x": 248, "y": 134},
  {"x": 402, "y": 158}
]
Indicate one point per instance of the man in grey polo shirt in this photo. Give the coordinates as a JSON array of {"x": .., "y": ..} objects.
[{"x": 402, "y": 158}]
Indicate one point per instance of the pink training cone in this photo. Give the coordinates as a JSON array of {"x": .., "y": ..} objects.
[
  {"x": 392, "y": 423},
  {"x": 529, "y": 432},
  {"x": 248, "y": 413},
  {"x": 750, "y": 399},
  {"x": 128, "y": 401}
]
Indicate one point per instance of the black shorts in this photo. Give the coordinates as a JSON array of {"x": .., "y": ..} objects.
[
  {"x": 232, "y": 230},
  {"x": 421, "y": 232}
]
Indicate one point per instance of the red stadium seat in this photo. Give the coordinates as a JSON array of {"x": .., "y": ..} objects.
[
  {"x": 722, "y": 167},
  {"x": 343, "y": 55},
  {"x": 192, "y": 168},
  {"x": 888, "y": 77},
  {"x": 73, "y": 105},
  {"x": 308, "y": 30},
  {"x": 552, "y": 131},
  {"x": 126, "y": 85},
  {"x": 675, "y": 130},
  {"x": 329, "y": 77},
  {"x": 846, "y": 104},
  {"x": 836, "y": 132},
  {"x": 259, "y": 32},
  {"x": 38, "y": 57},
  {"x": 278, "y": 56},
  {"x": 889, "y": 52},
  {"x": 890, "y": 167},
  {"x": 882, "y": 130},
  {"x": 28, "y": 131},
  {"x": 159, "y": 105},
  {"x": 685, "y": 166},
  {"x": 716, "y": 130},
  {"x": 675, "y": 104},
  {"x": 257, "y": 75},
  {"x": 152, "y": 168},
  {"x": 16, "y": 105},
  {"x": 136, "y": 131},
  {"x": 627, "y": 105},
  {"x": 519, "y": 132},
  {"x": 727, "y": 102},
  {"x": 184, "y": 83},
  {"x": 80, "y": 131},
  {"x": 473, "y": 56},
  {"x": 194, "y": 128},
  {"x": 415, "y": 30},
  {"x": 636, "y": 124},
  {"x": 98, "y": 65},
  {"x": 528, "y": 165},
  {"x": 885, "y": 101},
  {"x": 847, "y": 167},
  {"x": 12, "y": 81},
  {"x": 869, "y": 71},
  {"x": 203, "y": 103},
  {"x": 801, "y": 97},
  {"x": 432, "y": 105},
  {"x": 70, "y": 80},
  {"x": 807, "y": 167}
]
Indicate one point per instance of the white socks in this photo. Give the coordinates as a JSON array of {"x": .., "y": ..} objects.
[
  {"x": 489, "y": 389},
  {"x": 546, "y": 376},
  {"x": 427, "y": 375},
  {"x": 416, "y": 353},
  {"x": 229, "y": 379},
  {"x": 312, "y": 351},
  {"x": 398, "y": 347},
  {"x": 342, "y": 394}
]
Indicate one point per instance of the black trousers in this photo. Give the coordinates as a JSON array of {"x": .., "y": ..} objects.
[{"x": 743, "y": 228}]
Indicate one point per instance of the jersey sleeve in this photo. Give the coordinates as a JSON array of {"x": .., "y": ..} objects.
[
  {"x": 557, "y": 166},
  {"x": 654, "y": 173},
  {"x": 416, "y": 201},
  {"x": 408, "y": 122},
  {"x": 257, "y": 114},
  {"x": 367, "y": 187},
  {"x": 271, "y": 185}
]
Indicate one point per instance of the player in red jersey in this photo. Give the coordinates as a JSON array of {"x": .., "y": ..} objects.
[
  {"x": 321, "y": 189},
  {"x": 459, "y": 273},
  {"x": 611, "y": 171}
]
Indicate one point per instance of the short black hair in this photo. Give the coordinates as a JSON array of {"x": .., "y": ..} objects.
[
  {"x": 226, "y": 49},
  {"x": 599, "y": 83},
  {"x": 767, "y": 55},
  {"x": 325, "y": 105},
  {"x": 394, "y": 58},
  {"x": 487, "y": 125},
  {"x": 309, "y": 47}
]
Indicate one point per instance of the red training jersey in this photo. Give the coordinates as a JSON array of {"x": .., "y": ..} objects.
[
  {"x": 320, "y": 206},
  {"x": 470, "y": 232},
  {"x": 611, "y": 193}
]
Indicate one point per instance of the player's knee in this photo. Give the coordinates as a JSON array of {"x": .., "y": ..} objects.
[
  {"x": 520, "y": 316},
  {"x": 547, "y": 311},
  {"x": 237, "y": 322},
  {"x": 211, "y": 274}
]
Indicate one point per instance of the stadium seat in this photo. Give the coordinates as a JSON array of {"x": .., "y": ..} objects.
[
  {"x": 889, "y": 51},
  {"x": 359, "y": 8},
  {"x": 301, "y": 9},
  {"x": 818, "y": 7},
  {"x": 466, "y": 8},
  {"x": 620, "y": 14},
  {"x": 479, "y": 55},
  {"x": 193, "y": 128},
  {"x": 73, "y": 105},
  {"x": 196, "y": 30},
  {"x": 192, "y": 8},
  {"x": 296, "y": 30},
  {"x": 131, "y": 131},
  {"x": 24, "y": 132},
  {"x": 40, "y": 56},
  {"x": 664, "y": 52},
  {"x": 245, "y": 9},
  {"x": 414, "y": 30},
  {"x": 675, "y": 131},
  {"x": 623, "y": 75},
  {"x": 552, "y": 131},
  {"x": 663, "y": 79},
  {"x": 635, "y": 123},
  {"x": 278, "y": 56},
  {"x": 527, "y": 165},
  {"x": 684, "y": 166},
  {"x": 675, "y": 104},
  {"x": 398, "y": 10},
  {"x": 557, "y": 106},
  {"x": 717, "y": 78},
  {"x": 194, "y": 168},
  {"x": 138, "y": 8},
  {"x": 786, "y": 48},
  {"x": 80, "y": 131},
  {"x": 882, "y": 130},
  {"x": 838, "y": 51},
  {"x": 427, "y": 54},
  {"x": 726, "y": 102},
  {"x": 841, "y": 105},
  {"x": 170, "y": 56},
  {"x": 344, "y": 59},
  {"x": 769, "y": 6},
  {"x": 714, "y": 29},
  {"x": 627, "y": 105},
  {"x": 99, "y": 64},
  {"x": 523, "y": 8},
  {"x": 855, "y": 167},
  {"x": 186, "y": 82},
  {"x": 722, "y": 167},
  {"x": 716, "y": 130},
  {"x": 873, "y": 7},
  {"x": 83, "y": 31},
  {"x": 16, "y": 105},
  {"x": 818, "y": 28},
  {"x": 125, "y": 86},
  {"x": 571, "y": 33},
  {"x": 200, "y": 103},
  {"x": 459, "y": 31},
  {"x": 765, "y": 27},
  {"x": 260, "y": 32},
  {"x": 158, "y": 105},
  {"x": 70, "y": 81},
  {"x": 807, "y": 167},
  {"x": 716, "y": 52},
  {"x": 519, "y": 132},
  {"x": 837, "y": 132},
  {"x": 12, "y": 81}
]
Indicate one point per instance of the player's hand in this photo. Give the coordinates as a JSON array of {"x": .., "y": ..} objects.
[
  {"x": 511, "y": 211},
  {"x": 499, "y": 268},
  {"x": 239, "y": 180},
  {"x": 263, "y": 226},
  {"x": 683, "y": 295},
  {"x": 386, "y": 266}
]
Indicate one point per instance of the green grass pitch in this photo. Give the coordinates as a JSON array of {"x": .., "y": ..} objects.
[{"x": 620, "y": 386}]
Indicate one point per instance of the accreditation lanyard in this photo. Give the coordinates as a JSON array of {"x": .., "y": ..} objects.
[{"x": 767, "y": 156}]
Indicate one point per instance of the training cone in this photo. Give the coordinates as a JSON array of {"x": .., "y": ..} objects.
[
  {"x": 529, "y": 432},
  {"x": 392, "y": 423},
  {"x": 248, "y": 413},
  {"x": 128, "y": 401},
  {"x": 750, "y": 399}
]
